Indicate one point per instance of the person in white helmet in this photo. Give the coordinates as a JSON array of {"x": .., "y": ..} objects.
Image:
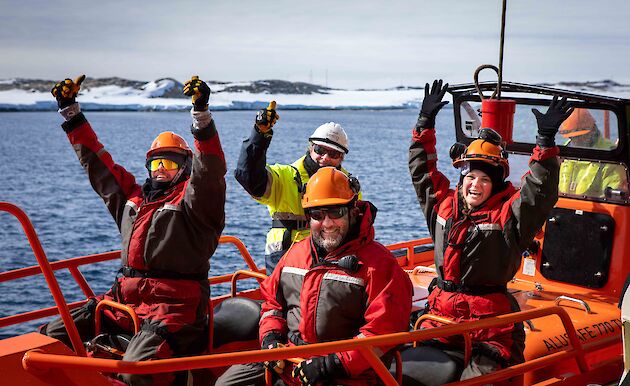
[{"x": 281, "y": 187}]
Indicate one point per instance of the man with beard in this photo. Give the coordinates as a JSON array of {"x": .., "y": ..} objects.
[
  {"x": 279, "y": 186},
  {"x": 336, "y": 284},
  {"x": 170, "y": 226}
]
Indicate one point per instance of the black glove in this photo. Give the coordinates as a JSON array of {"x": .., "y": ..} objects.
[
  {"x": 66, "y": 91},
  {"x": 319, "y": 369},
  {"x": 549, "y": 123},
  {"x": 431, "y": 105},
  {"x": 199, "y": 91},
  {"x": 266, "y": 118},
  {"x": 273, "y": 340}
]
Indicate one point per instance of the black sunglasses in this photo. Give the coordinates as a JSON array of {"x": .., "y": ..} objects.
[
  {"x": 333, "y": 213},
  {"x": 321, "y": 150}
]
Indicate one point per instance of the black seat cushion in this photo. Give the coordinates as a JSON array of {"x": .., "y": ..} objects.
[
  {"x": 236, "y": 319},
  {"x": 427, "y": 366}
]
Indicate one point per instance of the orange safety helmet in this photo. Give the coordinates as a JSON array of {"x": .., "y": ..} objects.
[
  {"x": 486, "y": 149},
  {"x": 169, "y": 141},
  {"x": 329, "y": 186},
  {"x": 580, "y": 122}
]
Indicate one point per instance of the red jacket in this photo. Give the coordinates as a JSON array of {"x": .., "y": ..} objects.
[
  {"x": 479, "y": 252},
  {"x": 171, "y": 238},
  {"x": 324, "y": 303}
]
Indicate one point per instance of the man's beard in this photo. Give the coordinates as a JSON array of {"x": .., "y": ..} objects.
[{"x": 330, "y": 243}]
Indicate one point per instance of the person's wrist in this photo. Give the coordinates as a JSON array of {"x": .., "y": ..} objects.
[
  {"x": 266, "y": 134},
  {"x": 70, "y": 111},
  {"x": 545, "y": 140},
  {"x": 425, "y": 122},
  {"x": 270, "y": 339},
  {"x": 334, "y": 367}
]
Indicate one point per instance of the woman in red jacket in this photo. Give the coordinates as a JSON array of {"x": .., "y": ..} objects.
[{"x": 479, "y": 229}]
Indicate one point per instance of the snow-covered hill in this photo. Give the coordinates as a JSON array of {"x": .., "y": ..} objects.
[{"x": 165, "y": 94}]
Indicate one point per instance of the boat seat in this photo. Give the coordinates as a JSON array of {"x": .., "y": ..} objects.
[
  {"x": 427, "y": 366},
  {"x": 236, "y": 320}
]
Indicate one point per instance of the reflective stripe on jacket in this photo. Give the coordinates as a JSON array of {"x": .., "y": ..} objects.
[
  {"x": 323, "y": 303},
  {"x": 482, "y": 247}
]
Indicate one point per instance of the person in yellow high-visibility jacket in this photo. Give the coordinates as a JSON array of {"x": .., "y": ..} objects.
[
  {"x": 587, "y": 178},
  {"x": 280, "y": 186}
]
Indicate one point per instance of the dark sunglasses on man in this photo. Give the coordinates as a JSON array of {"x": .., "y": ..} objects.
[
  {"x": 333, "y": 212},
  {"x": 322, "y": 150}
]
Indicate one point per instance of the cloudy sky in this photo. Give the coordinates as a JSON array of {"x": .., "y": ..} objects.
[{"x": 350, "y": 44}]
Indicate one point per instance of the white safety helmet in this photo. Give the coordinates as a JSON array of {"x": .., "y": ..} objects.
[{"x": 332, "y": 135}]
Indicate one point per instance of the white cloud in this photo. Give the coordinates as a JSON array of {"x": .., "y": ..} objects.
[{"x": 356, "y": 43}]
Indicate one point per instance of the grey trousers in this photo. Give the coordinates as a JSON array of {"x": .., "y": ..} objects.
[{"x": 249, "y": 374}]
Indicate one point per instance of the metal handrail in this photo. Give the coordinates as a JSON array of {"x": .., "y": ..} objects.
[
  {"x": 36, "y": 361},
  {"x": 73, "y": 265},
  {"x": 124, "y": 308},
  {"x": 250, "y": 274},
  {"x": 49, "y": 275}
]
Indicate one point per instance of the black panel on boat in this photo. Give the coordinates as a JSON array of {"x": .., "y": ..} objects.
[{"x": 577, "y": 247}]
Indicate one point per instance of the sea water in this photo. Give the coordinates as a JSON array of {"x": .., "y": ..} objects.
[{"x": 41, "y": 174}]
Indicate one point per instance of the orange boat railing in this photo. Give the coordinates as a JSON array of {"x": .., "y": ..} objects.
[
  {"x": 37, "y": 361},
  {"x": 47, "y": 269},
  {"x": 49, "y": 276}
]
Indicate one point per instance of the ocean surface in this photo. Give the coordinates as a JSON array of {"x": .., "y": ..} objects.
[{"x": 42, "y": 176}]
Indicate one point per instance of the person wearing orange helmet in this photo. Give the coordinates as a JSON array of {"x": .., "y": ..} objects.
[
  {"x": 479, "y": 229},
  {"x": 585, "y": 178},
  {"x": 338, "y": 283},
  {"x": 170, "y": 226}
]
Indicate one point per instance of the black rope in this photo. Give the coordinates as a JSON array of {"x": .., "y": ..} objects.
[{"x": 503, "y": 12}]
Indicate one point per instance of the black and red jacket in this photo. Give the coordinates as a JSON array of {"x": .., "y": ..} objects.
[
  {"x": 309, "y": 302},
  {"x": 478, "y": 252},
  {"x": 168, "y": 241}
]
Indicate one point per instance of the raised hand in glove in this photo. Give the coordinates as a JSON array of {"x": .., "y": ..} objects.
[
  {"x": 318, "y": 369},
  {"x": 199, "y": 91},
  {"x": 549, "y": 123},
  {"x": 270, "y": 341},
  {"x": 266, "y": 118},
  {"x": 431, "y": 105},
  {"x": 67, "y": 90}
]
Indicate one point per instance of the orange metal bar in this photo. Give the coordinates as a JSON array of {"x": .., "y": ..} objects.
[
  {"x": 34, "y": 315},
  {"x": 83, "y": 284},
  {"x": 57, "y": 265},
  {"x": 439, "y": 319},
  {"x": 399, "y": 374},
  {"x": 47, "y": 271},
  {"x": 108, "y": 303},
  {"x": 236, "y": 275},
  {"x": 242, "y": 249},
  {"x": 378, "y": 366},
  {"x": 519, "y": 369},
  {"x": 44, "y": 361}
]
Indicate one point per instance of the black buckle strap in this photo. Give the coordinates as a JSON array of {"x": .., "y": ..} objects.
[
  {"x": 297, "y": 225},
  {"x": 158, "y": 274},
  {"x": 450, "y": 286}
]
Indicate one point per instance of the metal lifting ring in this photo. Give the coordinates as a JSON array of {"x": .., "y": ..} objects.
[{"x": 476, "y": 77}]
